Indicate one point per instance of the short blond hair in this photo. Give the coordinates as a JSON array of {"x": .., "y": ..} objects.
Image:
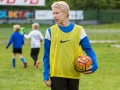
[
  {"x": 61, "y": 5},
  {"x": 35, "y": 25},
  {"x": 16, "y": 27}
]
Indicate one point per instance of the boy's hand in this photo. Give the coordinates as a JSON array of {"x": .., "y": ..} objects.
[
  {"x": 48, "y": 82},
  {"x": 88, "y": 71}
]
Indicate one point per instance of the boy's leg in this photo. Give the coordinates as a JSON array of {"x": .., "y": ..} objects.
[
  {"x": 73, "y": 84},
  {"x": 13, "y": 62},
  {"x": 23, "y": 60},
  {"x": 13, "y": 58},
  {"x": 37, "y": 62},
  {"x": 19, "y": 51},
  {"x": 59, "y": 83},
  {"x": 32, "y": 54}
]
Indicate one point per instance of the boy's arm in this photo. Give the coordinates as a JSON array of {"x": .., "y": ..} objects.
[
  {"x": 89, "y": 51},
  {"x": 22, "y": 40},
  {"x": 28, "y": 36},
  {"x": 10, "y": 41},
  {"x": 41, "y": 40},
  {"x": 41, "y": 37},
  {"x": 85, "y": 44},
  {"x": 46, "y": 63}
]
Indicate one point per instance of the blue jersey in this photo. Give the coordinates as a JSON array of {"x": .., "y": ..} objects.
[
  {"x": 17, "y": 39},
  {"x": 84, "y": 42}
]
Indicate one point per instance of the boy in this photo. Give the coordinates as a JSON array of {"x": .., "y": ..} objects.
[
  {"x": 18, "y": 40},
  {"x": 36, "y": 37},
  {"x": 63, "y": 43}
]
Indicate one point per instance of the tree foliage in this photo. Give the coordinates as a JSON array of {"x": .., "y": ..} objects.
[{"x": 74, "y": 5}]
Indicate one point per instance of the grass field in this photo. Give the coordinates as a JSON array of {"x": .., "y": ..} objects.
[{"x": 105, "y": 78}]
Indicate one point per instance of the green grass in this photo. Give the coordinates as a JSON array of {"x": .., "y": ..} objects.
[
  {"x": 5, "y": 31},
  {"x": 107, "y": 75},
  {"x": 20, "y": 78},
  {"x": 95, "y": 32},
  {"x": 105, "y": 78}
]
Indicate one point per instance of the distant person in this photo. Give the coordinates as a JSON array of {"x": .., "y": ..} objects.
[
  {"x": 63, "y": 43},
  {"x": 36, "y": 37},
  {"x": 18, "y": 40}
]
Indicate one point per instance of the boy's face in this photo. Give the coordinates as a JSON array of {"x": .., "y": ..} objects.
[{"x": 59, "y": 15}]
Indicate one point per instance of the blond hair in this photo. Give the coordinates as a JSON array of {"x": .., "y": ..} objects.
[
  {"x": 35, "y": 25},
  {"x": 61, "y": 5},
  {"x": 16, "y": 27}
]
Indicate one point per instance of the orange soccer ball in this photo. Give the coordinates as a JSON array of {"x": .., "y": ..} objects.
[{"x": 82, "y": 63}]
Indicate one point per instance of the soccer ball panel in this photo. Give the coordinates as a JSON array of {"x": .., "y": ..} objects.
[{"x": 82, "y": 63}]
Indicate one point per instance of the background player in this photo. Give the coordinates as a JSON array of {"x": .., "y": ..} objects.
[
  {"x": 18, "y": 40},
  {"x": 36, "y": 37}
]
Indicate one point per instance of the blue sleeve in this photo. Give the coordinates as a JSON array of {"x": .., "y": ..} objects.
[
  {"x": 46, "y": 63},
  {"x": 10, "y": 41},
  {"x": 46, "y": 59},
  {"x": 22, "y": 40},
  {"x": 85, "y": 44}
]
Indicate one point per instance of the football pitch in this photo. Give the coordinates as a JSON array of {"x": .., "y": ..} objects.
[{"x": 105, "y": 78}]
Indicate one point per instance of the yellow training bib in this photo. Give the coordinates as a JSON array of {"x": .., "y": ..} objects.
[{"x": 64, "y": 50}]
